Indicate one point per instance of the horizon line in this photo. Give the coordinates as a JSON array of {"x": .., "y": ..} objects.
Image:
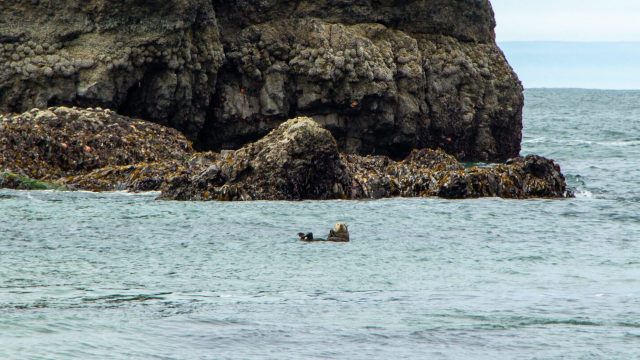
[
  {"x": 575, "y": 41},
  {"x": 579, "y": 88}
]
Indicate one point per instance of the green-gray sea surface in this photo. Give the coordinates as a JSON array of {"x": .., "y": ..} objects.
[{"x": 120, "y": 276}]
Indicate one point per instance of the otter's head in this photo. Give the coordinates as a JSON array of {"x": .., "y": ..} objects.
[{"x": 340, "y": 228}]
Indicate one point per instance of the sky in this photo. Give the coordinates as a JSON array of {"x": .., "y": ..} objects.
[
  {"x": 567, "y": 20},
  {"x": 571, "y": 43}
]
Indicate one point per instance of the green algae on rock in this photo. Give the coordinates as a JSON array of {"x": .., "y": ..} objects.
[{"x": 9, "y": 180}]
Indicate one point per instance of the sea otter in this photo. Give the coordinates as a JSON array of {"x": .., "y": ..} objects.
[
  {"x": 308, "y": 237},
  {"x": 340, "y": 233}
]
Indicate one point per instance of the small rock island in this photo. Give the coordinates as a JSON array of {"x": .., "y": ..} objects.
[{"x": 255, "y": 100}]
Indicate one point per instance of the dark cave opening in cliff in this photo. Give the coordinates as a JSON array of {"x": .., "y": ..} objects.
[{"x": 141, "y": 95}]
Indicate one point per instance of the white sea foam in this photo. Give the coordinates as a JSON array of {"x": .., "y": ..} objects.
[
  {"x": 535, "y": 140},
  {"x": 623, "y": 143},
  {"x": 583, "y": 193},
  {"x": 614, "y": 143}
]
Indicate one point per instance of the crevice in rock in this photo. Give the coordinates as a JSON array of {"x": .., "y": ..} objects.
[{"x": 140, "y": 98}]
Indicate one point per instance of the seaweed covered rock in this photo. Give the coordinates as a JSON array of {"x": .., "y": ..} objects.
[
  {"x": 98, "y": 150},
  {"x": 433, "y": 173},
  {"x": 298, "y": 160},
  {"x": 376, "y": 177},
  {"x": 10, "y": 180},
  {"x": 60, "y": 141},
  {"x": 138, "y": 177}
]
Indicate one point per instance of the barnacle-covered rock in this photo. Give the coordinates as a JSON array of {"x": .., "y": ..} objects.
[
  {"x": 60, "y": 141},
  {"x": 383, "y": 77},
  {"x": 152, "y": 59}
]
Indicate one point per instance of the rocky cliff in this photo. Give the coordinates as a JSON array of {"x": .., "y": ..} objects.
[
  {"x": 384, "y": 77},
  {"x": 154, "y": 59}
]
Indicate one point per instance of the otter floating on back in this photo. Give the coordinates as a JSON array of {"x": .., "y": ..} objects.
[{"x": 340, "y": 233}]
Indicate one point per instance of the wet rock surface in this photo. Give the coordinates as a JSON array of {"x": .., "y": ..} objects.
[
  {"x": 383, "y": 77},
  {"x": 433, "y": 173},
  {"x": 139, "y": 177}
]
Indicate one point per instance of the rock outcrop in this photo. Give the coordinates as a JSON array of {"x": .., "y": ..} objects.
[
  {"x": 383, "y": 77},
  {"x": 98, "y": 150},
  {"x": 60, "y": 141},
  {"x": 152, "y": 59},
  {"x": 139, "y": 177},
  {"x": 432, "y": 173},
  {"x": 299, "y": 160}
]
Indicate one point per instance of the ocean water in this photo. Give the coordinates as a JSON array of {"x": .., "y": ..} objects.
[{"x": 121, "y": 276}]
